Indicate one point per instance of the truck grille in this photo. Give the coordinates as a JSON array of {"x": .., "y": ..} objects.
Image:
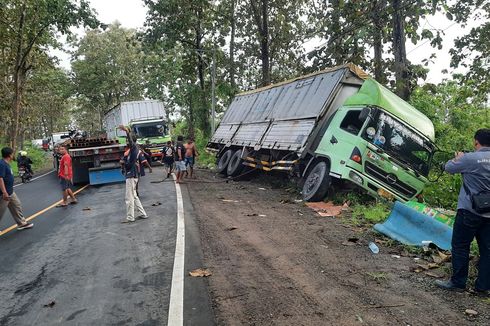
[{"x": 389, "y": 180}]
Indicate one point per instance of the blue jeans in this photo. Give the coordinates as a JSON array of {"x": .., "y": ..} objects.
[{"x": 467, "y": 227}]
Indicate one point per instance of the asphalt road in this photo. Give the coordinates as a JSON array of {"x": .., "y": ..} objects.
[{"x": 94, "y": 269}]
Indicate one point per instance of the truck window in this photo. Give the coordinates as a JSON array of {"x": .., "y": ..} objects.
[{"x": 351, "y": 122}]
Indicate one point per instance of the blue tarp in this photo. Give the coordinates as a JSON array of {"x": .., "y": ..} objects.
[{"x": 411, "y": 227}]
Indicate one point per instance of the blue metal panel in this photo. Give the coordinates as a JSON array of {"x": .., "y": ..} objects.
[
  {"x": 98, "y": 177},
  {"x": 410, "y": 227}
]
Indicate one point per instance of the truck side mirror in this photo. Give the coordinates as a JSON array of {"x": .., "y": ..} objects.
[{"x": 365, "y": 113}]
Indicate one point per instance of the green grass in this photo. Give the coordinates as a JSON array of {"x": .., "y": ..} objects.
[
  {"x": 369, "y": 214},
  {"x": 378, "y": 277}
]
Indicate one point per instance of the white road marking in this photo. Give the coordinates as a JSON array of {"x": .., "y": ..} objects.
[
  {"x": 176, "y": 306},
  {"x": 43, "y": 175}
]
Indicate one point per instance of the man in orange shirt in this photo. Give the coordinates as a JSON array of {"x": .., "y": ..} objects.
[{"x": 65, "y": 174}]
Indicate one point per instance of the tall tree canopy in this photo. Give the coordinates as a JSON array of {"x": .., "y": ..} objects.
[
  {"x": 108, "y": 68},
  {"x": 27, "y": 28}
]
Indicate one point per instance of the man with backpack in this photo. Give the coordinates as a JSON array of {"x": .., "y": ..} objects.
[
  {"x": 168, "y": 154},
  {"x": 473, "y": 216},
  {"x": 180, "y": 159}
]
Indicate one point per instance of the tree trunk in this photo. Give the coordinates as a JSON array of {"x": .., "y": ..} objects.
[
  {"x": 264, "y": 44},
  {"x": 402, "y": 88},
  {"x": 379, "y": 9},
  {"x": 232, "y": 46},
  {"x": 190, "y": 127},
  {"x": 336, "y": 32},
  {"x": 17, "y": 82},
  {"x": 260, "y": 15}
]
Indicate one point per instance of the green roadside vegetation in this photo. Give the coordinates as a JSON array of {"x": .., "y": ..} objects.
[{"x": 39, "y": 158}]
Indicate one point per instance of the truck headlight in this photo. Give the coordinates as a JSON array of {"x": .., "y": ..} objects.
[{"x": 356, "y": 178}]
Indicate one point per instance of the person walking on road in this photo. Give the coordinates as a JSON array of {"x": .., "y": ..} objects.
[
  {"x": 180, "y": 159},
  {"x": 131, "y": 172},
  {"x": 168, "y": 154},
  {"x": 65, "y": 175},
  {"x": 142, "y": 162},
  {"x": 469, "y": 224},
  {"x": 190, "y": 156},
  {"x": 9, "y": 198}
]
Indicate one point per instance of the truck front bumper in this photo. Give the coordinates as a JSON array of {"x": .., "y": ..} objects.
[{"x": 371, "y": 185}]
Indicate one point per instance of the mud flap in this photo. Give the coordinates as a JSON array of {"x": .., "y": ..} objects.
[{"x": 410, "y": 227}]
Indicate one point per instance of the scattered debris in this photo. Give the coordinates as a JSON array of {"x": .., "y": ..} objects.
[
  {"x": 231, "y": 228},
  {"x": 386, "y": 306},
  {"x": 298, "y": 200},
  {"x": 50, "y": 305},
  {"x": 286, "y": 201},
  {"x": 441, "y": 258},
  {"x": 326, "y": 209},
  {"x": 433, "y": 275},
  {"x": 348, "y": 243},
  {"x": 471, "y": 312},
  {"x": 230, "y": 201},
  {"x": 262, "y": 189},
  {"x": 396, "y": 256},
  {"x": 433, "y": 265},
  {"x": 156, "y": 204},
  {"x": 200, "y": 272},
  {"x": 86, "y": 209},
  {"x": 262, "y": 215},
  {"x": 374, "y": 248}
]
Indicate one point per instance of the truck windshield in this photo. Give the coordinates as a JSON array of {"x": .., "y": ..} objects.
[
  {"x": 150, "y": 130},
  {"x": 400, "y": 141}
]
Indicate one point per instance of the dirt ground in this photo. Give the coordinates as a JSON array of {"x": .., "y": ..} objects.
[{"x": 276, "y": 262}]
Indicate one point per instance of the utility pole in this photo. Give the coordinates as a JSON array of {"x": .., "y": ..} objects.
[{"x": 213, "y": 92}]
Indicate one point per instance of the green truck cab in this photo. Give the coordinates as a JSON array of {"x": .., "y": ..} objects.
[
  {"x": 334, "y": 124},
  {"x": 380, "y": 143},
  {"x": 153, "y": 134}
]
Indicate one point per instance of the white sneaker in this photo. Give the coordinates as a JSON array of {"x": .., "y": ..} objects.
[{"x": 25, "y": 226}]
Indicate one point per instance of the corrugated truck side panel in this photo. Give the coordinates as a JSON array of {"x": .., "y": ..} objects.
[{"x": 280, "y": 117}]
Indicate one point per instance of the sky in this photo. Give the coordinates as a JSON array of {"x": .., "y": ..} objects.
[{"x": 132, "y": 14}]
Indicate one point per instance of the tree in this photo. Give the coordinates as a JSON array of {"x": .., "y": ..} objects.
[
  {"x": 47, "y": 102},
  {"x": 186, "y": 25},
  {"x": 472, "y": 51},
  {"x": 29, "y": 26},
  {"x": 107, "y": 69}
]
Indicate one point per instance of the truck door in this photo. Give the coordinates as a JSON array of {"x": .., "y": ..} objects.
[{"x": 341, "y": 138}]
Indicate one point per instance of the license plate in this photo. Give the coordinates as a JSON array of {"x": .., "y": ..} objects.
[{"x": 385, "y": 194}]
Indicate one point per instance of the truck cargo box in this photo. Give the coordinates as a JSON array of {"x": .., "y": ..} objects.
[
  {"x": 285, "y": 116},
  {"x": 123, "y": 113}
]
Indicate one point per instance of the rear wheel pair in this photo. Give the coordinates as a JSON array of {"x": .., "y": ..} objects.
[
  {"x": 230, "y": 163},
  {"x": 316, "y": 184}
]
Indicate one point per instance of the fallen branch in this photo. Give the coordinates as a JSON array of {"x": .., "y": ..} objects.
[{"x": 385, "y": 306}]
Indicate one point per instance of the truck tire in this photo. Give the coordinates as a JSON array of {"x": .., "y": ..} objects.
[
  {"x": 317, "y": 182},
  {"x": 223, "y": 161},
  {"x": 235, "y": 166}
]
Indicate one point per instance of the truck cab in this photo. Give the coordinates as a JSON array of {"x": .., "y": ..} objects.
[
  {"x": 380, "y": 143},
  {"x": 153, "y": 134}
]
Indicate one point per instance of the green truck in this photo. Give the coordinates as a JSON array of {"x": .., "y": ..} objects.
[
  {"x": 334, "y": 124},
  {"x": 146, "y": 120}
]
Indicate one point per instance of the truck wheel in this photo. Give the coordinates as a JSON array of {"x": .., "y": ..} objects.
[
  {"x": 235, "y": 166},
  {"x": 224, "y": 160},
  {"x": 317, "y": 182}
]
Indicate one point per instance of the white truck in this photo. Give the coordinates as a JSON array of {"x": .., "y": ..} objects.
[{"x": 145, "y": 118}]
